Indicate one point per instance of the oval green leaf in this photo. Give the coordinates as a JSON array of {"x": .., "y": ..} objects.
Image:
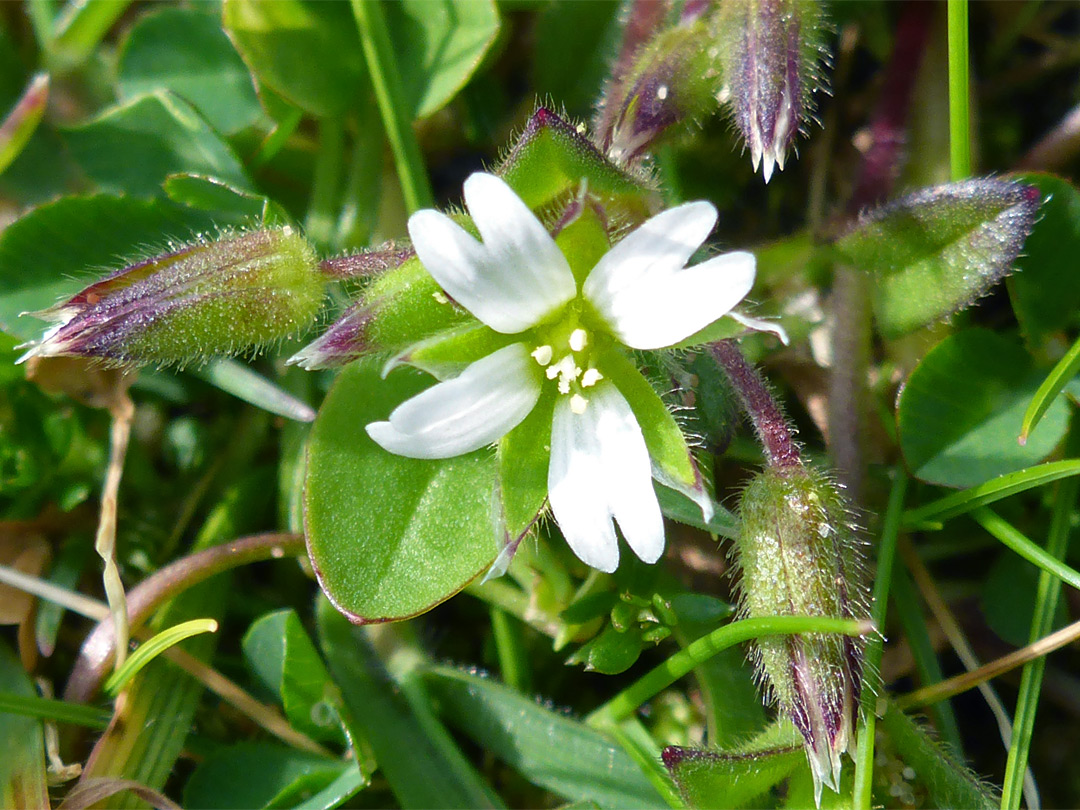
[
  {"x": 186, "y": 51},
  {"x": 1046, "y": 291},
  {"x": 391, "y": 537},
  {"x": 308, "y": 52},
  {"x": 961, "y": 411},
  {"x": 439, "y": 45},
  {"x": 133, "y": 147},
  {"x": 279, "y": 651}
]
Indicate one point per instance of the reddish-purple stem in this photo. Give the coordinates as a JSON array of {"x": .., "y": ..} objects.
[
  {"x": 888, "y": 126},
  {"x": 769, "y": 422},
  {"x": 99, "y": 649}
]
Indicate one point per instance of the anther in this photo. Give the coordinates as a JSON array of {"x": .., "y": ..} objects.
[
  {"x": 591, "y": 377},
  {"x": 542, "y": 355},
  {"x": 578, "y": 339},
  {"x": 578, "y": 403}
]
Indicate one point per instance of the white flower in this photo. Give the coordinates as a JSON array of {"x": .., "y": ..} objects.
[{"x": 518, "y": 282}]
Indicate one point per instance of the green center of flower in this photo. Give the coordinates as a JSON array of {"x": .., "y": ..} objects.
[{"x": 567, "y": 356}]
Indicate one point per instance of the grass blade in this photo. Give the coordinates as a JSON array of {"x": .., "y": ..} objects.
[
  {"x": 1047, "y": 595},
  {"x": 1053, "y": 385},
  {"x": 1003, "y": 486},
  {"x": 151, "y": 649},
  {"x": 1015, "y": 540},
  {"x": 864, "y": 754}
]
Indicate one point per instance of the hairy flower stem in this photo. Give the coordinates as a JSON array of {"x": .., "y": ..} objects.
[
  {"x": 773, "y": 430},
  {"x": 851, "y": 302}
]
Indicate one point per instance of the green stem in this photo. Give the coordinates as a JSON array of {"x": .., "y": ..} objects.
[
  {"x": 1012, "y": 537},
  {"x": 42, "y": 15},
  {"x": 660, "y": 678},
  {"x": 396, "y": 116},
  {"x": 82, "y": 25},
  {"x": 360, "y": 204},
  {"x": 872, "y": 686},
  {"x": 278, "y": 137},
  {"x": 1047, "y": 596},
  {"x": 927, "y": 666},
  {"x": 513, "y": 663},
  {"x": 60, "y": 711},
  {"x": 639, "y": 745},
  {"x": 323, "y": 205},
  {"x": 959, "y": 114}
]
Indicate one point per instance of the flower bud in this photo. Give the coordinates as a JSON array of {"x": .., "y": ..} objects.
[
  {"x": 799, "y": 556},
  {"x": 346, "y": 340},
  {"x": 771, "y": 50},
  {"x": 222, "y": 297},
  {"x": 674, "y": 79}
]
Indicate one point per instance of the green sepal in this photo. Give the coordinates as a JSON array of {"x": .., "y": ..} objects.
[
  {"x": 673, "y": 463},
  {"x": 742, "y": 775},
  {"x": 446, "y": 354},
  {"x": 523, "y": 457},
  {"x": 934, "y": 252},
  {"x": 583, "y": 241},
  {"x": 551, "y": 157},
  {"x": 407, "y": 305}
]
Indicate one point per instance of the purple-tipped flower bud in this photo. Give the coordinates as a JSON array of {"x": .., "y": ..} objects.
[
  {"x": 771, "y": 52},
  {"x": 674, "y": 79},
  {"x": 799, "y": 556},
  {"x": 346, "y": 340},
  {"x": 225, "y": 296}
]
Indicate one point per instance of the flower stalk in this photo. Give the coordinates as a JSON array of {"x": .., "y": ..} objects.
[{"x": 772, "y": 428}]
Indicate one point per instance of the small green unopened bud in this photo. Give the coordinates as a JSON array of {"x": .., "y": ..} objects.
[
  {"x": 771, "y": 52},
  {"x": 226, "y": 296},
  {"x": 675, "y": 80},
  {"x": 799, "y": 556}
]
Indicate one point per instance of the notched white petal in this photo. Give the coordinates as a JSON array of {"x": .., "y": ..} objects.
[
  {"x": 627, "y": 473},
  {"x": 490, "y": 398},
  {"x": 600, "y": 470},
  {"x": 576, "y": 489},
  {"x": 512, "y": 280},
  {"x": 654, "y": 314},
  {"x": 654, "y": 250}
]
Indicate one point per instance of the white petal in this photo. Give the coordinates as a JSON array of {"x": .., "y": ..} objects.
[
  {"x": 511, "y": 281},
  {"x": 654, "y": 313},
  {"x": 576, "y": 488},
  {"x": 600, "y": 469},
  {"x": 489, "y": 399},
  {"x": 655, "y": 249},
  {"x": 761, "y": 325},
  {"x": 627, "y": 473}
]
